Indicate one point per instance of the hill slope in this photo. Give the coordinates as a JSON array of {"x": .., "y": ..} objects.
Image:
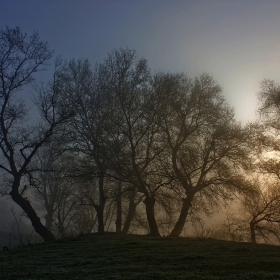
[{"x": 141, "y": 257}]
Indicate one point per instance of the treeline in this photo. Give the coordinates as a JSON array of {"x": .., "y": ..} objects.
[{"x": 115, "y": 147}]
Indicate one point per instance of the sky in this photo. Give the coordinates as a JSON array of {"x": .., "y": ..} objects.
[{"x": 237, "y": 42}]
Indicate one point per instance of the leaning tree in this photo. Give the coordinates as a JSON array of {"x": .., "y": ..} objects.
[{"x": 21, "y": 136}]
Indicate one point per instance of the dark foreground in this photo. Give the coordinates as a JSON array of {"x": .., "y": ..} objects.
[{"x": 140, "y": 257}]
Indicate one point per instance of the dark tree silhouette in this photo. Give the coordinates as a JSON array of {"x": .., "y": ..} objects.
[
  {"x": 135, "y": 145},
  {"x": 203, "y": 142},
  {"x": 90, "y": 128},
  {"x": 20, "y": 58}
]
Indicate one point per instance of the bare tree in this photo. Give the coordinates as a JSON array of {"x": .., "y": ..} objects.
[
  {"x": 264, "y": 210},
  {"x": 232, "y": 228},
  {"x": 205, "y": 146},
  {"x": 259, "y": 221},
  {"x": 135, "y": 144},
  {"x": 90, "y": 129},
  {"x": 134, "y": 199},
  {"x": 55, "y": 191},
  {"x": 20, "y": 58},
  {"x": 258, "y": 215},
  {"x": 85, "y": 220}
]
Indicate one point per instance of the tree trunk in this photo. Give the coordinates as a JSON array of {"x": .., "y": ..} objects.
[
  {"x": 131, "y": 212},
  {"x": 100, "y": 219},
  {"x": 119, "y": 208},
  {"x": 182, "y": 218},
  {"x": 150, "y": 211},
  {"x": 49, "y": 220},
  {"x": 35, "y": 220},
  {"x": 253, "y": 234},
  {"x": 101, "y": 206}
]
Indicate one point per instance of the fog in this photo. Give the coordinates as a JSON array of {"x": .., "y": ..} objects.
[
  {"x": 236, "y": 42},
  {"x": 14, "y": 228}
]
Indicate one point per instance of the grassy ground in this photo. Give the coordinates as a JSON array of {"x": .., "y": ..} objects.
[{"x": 140, "y": 257}]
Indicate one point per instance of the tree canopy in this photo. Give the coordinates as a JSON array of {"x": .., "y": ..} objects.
[{"x": 115, "y": 142}]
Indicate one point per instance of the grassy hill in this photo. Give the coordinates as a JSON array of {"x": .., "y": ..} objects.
[{"x": 113, "y": 256}]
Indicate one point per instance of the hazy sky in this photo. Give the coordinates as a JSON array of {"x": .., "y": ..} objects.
[{"x": 236, "y": 41}]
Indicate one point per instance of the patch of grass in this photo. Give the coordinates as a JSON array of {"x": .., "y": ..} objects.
[{"x": 140, "y": 257}]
